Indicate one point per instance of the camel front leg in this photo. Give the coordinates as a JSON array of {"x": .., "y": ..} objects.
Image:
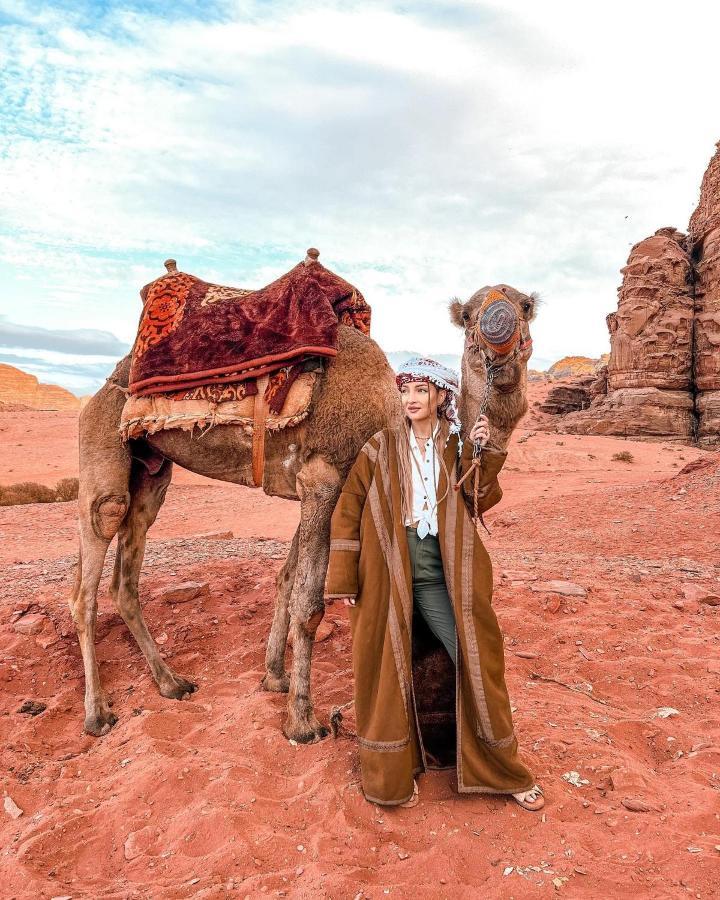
[
  {"x": 319, "y": 486},
  {"x": 276, "y": 678}
]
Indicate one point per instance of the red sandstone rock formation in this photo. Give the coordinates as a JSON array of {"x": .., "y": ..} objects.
[
  {"x": 649, "y": 373},
  {"x": 20, "y": 388},
  {"x": 705, "y": 249},
  {"x": 573, "y": 365},
  {"x": 568, "y": 396}
]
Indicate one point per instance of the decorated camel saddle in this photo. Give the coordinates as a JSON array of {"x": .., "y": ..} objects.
[{"x": 208, "y": 355}]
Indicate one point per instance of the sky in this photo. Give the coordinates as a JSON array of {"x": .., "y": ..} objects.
[{"x": 426, "y": 148}]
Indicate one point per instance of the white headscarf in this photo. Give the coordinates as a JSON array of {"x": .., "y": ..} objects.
[{"x": 420, "y": 368}]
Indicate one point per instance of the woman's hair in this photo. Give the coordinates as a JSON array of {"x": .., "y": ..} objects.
[{"x": 405, "y": 464}]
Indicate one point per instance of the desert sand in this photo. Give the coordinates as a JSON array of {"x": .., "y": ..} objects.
[{"x": 614, "y": 675}]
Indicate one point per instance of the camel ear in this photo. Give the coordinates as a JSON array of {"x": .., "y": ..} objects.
[
  {"x": 530, "y": 306},
  {"x": 457, "y": 310}
]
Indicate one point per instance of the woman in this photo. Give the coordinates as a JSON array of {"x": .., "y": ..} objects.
[{"x": 403, "y": 543}]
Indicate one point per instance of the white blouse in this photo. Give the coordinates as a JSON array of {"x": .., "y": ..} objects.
[{"x": 424, "y": 480}]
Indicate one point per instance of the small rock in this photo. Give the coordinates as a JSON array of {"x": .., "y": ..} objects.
[
  {"x": 183, "y": 592},
  {"x": 32, "y": 708},
  {"x": 161, "y": 638},
  {"x": 575, "y": 779},
  {"x": 403, "y": 855},
  {"x": 553, "y": 605},
  {"x": 527, "y": 654},
  {"x": 564, "y": 588},
  {"x": 700, "y": 593},
  {"x": 628, "y": 781},
  {"x": 635, "y": 805},
  {"x": 678, "y": 604},
  {"x": 714, "y": 666},
  {"x": 215, "y": 536},
  {"x": 11, "y": 808},
  {"x": 32, "y": 624},
  {"x": 47, "y": 640},
  {"x": 324, "y": 630},
  {"x": 665, "y": 712}
]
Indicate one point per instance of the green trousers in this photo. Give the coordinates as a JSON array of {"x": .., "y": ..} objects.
[{"x": 430, "y": 593}]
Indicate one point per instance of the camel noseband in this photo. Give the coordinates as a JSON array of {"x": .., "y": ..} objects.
[{"x": 498, "y": 323}]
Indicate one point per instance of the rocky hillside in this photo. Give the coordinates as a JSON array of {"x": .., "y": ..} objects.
[{"x": 19, "y": 389}]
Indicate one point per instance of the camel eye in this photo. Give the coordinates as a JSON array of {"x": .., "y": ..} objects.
[
  {"x": 465, "y": 316},
  {"x": 527, "y": 306}
]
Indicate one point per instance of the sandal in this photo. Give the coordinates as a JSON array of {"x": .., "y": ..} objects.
[
  {"x": 532, "y": 799},
  {"x": 413, "y": 801}
]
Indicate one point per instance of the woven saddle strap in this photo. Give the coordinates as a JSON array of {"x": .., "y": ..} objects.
[{"x": 260, "y": 413}]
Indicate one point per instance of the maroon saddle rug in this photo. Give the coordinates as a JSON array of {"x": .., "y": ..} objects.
[{"x": 193, "y": 334}]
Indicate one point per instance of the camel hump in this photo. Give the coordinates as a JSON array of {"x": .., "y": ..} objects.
[{"x": 171, "y": 266}]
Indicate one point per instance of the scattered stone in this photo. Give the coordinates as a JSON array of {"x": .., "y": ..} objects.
[
  {"x": 575, "y": 779},
  {"x": 183, "y": 592},
  {"x": 665, "y": 712},
  {"x": 31, "y": 624},
  {"x": 564, "y": 588},
  {"x": 626, "y": 780},
  {"x": 11, "y": 808},
  {"x": 700, "y": 593},
  {"x": 216, "y": 535},
  {"x": 33, "y": 708},
  {"x": 324, "y": 630},
  {"x": 635, "y": 805},
  {"x": 47, "y": 641},
  {"x": 527, "y": 654}
]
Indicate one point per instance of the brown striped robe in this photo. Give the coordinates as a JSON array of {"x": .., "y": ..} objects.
[{"x": 369, "y": 560}]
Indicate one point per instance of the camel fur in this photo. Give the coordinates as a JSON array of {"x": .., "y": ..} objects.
[{"x": 121, "y": 494}]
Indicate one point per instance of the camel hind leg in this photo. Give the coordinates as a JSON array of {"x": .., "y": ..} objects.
[
  {"x": 147, "y": 493},
  {"x": 276, "y": 678},
  {"x": 103, "y": 504}
]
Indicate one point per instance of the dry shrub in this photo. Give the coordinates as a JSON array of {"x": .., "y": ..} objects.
[
  {"x": 67, "y": 489},
  {"x": 623, "y": 456},
  {"x": 26, "y": 492},
  {"x": 30, "y": 492}
]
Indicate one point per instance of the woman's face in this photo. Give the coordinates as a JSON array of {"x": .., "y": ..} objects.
[{"x": 420, "y": 401}]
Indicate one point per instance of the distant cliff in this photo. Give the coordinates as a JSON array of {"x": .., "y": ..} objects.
[{"x": 19, "y": 389}]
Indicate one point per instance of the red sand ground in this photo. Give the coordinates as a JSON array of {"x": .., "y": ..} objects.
[{"x": 205, "y": 798}]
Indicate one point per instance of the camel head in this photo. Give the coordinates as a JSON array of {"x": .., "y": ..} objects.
[{"x": 496, "y": 321}]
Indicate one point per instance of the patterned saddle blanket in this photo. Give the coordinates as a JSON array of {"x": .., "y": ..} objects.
[
  {"x": 288, "y": 396},
  {"x": 193, "y": 334}
]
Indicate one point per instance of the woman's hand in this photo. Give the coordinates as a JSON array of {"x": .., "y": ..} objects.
[{"x": 480, "y": 432}]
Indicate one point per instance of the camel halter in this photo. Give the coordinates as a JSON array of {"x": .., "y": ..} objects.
[{"x": 498, "y": 329}]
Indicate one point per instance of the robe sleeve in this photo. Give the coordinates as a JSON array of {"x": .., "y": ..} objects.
[
  {"x": 492, "y": 460},
  {"x": 342, "y": 574}
]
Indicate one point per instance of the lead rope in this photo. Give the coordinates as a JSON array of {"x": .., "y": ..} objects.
[{"x": 477, "y": 451}]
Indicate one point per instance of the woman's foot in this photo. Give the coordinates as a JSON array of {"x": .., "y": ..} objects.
[
  {"x": 413, "y": 801},
  {"x": 532, "y": 799}
]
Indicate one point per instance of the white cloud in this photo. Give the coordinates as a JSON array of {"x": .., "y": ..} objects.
[{"x": 427, "y": 149}]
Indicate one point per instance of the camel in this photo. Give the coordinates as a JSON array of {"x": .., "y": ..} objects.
[{"x": 121, "y": 493}]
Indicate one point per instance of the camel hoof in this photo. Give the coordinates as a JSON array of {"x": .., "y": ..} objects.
[
  {"x": 277, "y": 685},
  {"x": 306, "y": 734},
  {"x": 100, "y": 723},
  {"x": 177, "y": 688}
]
